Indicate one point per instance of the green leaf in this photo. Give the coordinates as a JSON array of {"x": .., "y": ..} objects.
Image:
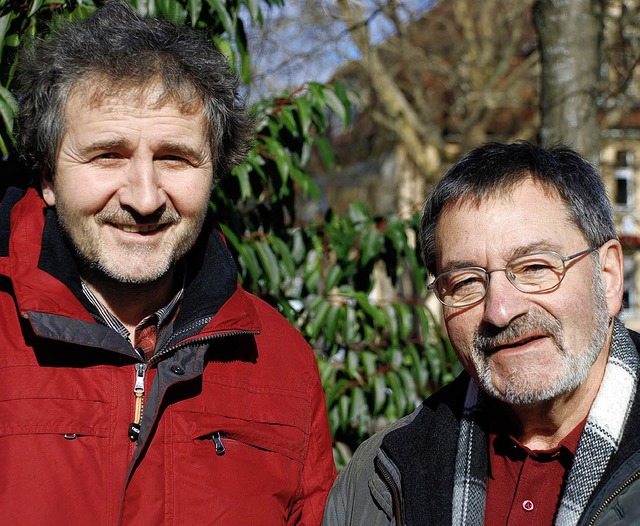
[
  {"x": 341, "y": 92},
  {"x": 405, "y": 320},
  {"x": 398, "y": 394},
  {"x": 352, "y": 364},
  {"x": 284, "y": 255},
  {"x": 359, "y": 410},
  {"x": 418, "y": 368},
  {"x": 269, "y": 263},
  {"x": 327, "y": 373},
  {"x": 249, "y": 261},
  {"x": 254, "y": 8},
  {"x": 391, "y": 323},
  {"x": 194, "y": 8},
  {"x": 326, "y": 151},
  {"x": 315, "y": 326},
  {"x": 331, "y": 325},
  {"x": 241, "y": 173},
  {"x": 343, "y": 404},
  {"x": 337, "y": 106},
  {"x": 371, "y": 245},
  {"x": 410, "y": 388},
  {"x": 288, "y": 119},
  {"x": 342, "y": 454},
  {"x": 332, "y": 278},
  {"x": 8, "y": 108},
  {"x": 304, "y": 114},
  {"x": 369, "y": 362},
  {"x": 371, "y": 310},
  {"x": 226, "y": 49},
  {"x": 35, "y": 6},
  {"x": 336, "y": 391},
  {"x": 350, "y": 326},
  {"x": 299, "y": 251},
  {"x": 3, "y": 147},
  {"x": 219, "y": 6},
  {"x": 379, "y": 394},
  {"x": 358, "y": 213}
]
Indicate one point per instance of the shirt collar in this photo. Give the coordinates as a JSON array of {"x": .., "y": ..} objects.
[{"x": 163, "y": 314}]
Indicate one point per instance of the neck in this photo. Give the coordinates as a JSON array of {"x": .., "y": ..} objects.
[
  {"x": 130, "y": 302},
  {"x": 542, "y": 426}
]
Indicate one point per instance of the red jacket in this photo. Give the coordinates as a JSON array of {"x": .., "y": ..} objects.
[{"x": 234, "y": 430}]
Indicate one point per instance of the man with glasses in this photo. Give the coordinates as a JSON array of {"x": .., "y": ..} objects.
[{"x": 541, "y": 428}]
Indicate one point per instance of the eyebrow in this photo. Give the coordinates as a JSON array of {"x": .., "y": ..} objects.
[
  {"x": 537, "y": 246},
  {"x": 107, "y": 144}
]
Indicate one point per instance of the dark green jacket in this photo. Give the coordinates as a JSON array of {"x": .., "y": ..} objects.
[{"x": 404, "y": 475}]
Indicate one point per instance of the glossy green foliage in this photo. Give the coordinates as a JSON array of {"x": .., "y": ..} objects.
[
  {"x": 378, "y": 357},
  {"x": 379, "y": 354}
]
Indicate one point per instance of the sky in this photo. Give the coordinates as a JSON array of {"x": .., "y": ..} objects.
[{"x": 306, "y": 40}]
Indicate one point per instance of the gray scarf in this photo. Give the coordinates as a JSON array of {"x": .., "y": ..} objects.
[{"x": 599, "y": 440}]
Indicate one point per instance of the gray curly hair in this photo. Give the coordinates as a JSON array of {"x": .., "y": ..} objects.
[{"x": 115, "y": 50}]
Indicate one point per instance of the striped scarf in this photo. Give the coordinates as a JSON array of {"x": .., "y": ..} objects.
[{"x": 599, "y": 440}]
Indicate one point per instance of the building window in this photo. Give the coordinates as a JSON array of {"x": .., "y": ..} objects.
[{"x": 623, "y": 174}]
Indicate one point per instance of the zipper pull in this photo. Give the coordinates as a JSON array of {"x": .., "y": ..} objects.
[
  {"x": 138, "y": 391},
  {"x": 217, "y": 441}
]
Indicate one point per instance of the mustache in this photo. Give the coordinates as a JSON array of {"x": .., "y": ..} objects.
[
  {"x": 123, "y": 216},
  {"x": 488, "y": 336}
]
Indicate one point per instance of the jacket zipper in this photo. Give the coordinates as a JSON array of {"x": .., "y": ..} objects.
[
  {"x": 141, "y": 369},
  {"x": 217, "y": 442},
  {"x": 617, "y": 492},
  {"x": 138, "y": 392},
  {"x": 393, "y": 489}
]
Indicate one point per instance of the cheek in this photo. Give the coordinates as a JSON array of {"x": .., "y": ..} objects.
[
  {"x": 190, "y": 198},
  {"x": 461, "y": 327},
  {"x": 83, "y": 194}
]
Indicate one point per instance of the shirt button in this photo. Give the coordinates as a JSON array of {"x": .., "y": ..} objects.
[
  {"x": 177, "y": 369},
  {"x": 527, "y": 505}
]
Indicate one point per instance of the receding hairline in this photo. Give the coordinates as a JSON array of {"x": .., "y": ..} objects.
[{"x": 502, "y": 192}]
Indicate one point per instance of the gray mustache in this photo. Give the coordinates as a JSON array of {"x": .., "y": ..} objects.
[{"x": 488, "y": 336}]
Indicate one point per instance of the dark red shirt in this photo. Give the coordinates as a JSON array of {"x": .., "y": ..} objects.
[{"x": 524, "y": 486}]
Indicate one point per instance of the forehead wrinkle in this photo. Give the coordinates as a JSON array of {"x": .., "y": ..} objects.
[{"x": 105, "y": 144}]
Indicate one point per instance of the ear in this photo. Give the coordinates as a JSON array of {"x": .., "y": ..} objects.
[
  {"x": 612, "y": 265},
  {"x": 48, "y": 188}
]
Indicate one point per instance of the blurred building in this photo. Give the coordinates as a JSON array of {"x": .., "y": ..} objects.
[
  {"x": 373, "y": 165},
  {"x": 620, "y": 167}
]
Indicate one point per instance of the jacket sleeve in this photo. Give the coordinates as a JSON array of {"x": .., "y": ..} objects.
[
  {"x": 357, "y": 497},
  {"x": 319, "y": 471}
]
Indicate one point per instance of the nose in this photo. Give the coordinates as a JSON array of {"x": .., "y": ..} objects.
[
  {"x": 503, "y": 302},
  {"x": 142, "y": 191}
]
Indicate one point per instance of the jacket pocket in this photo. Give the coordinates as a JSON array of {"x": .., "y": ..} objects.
[
  {"x": 240, "y": 471},
  {"x": 54, "y": 447}
]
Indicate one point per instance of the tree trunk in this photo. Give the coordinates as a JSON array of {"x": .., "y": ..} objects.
[{"x": 570, "y": 33}]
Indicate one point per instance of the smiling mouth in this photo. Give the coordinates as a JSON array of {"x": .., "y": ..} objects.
[
  {"x": 519, "y": 343},
  {"x": 140, "y": 229}
]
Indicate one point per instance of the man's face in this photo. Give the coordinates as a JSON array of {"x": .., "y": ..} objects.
[
  {"x": 527, "y": 348},
  {"x": 132, "y": 182}
]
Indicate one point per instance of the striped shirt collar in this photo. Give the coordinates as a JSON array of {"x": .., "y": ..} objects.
[{"x": 163, "y": 315}]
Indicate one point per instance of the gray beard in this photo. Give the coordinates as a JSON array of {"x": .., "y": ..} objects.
[{"x": 520, "y": 389}]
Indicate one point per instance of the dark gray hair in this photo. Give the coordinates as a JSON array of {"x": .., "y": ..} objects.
[
  {"x": 493, "y": 169},
  {"x": 116, "y": 50}
]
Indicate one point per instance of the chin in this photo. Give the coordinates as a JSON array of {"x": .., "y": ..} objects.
[{"x": 143, "y": 274}]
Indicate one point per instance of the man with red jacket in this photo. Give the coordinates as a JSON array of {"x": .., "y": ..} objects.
[{"x": 140, "y": 383}]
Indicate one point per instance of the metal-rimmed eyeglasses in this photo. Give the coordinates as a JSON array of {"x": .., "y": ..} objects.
[{"x": 531, "y": 273}]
